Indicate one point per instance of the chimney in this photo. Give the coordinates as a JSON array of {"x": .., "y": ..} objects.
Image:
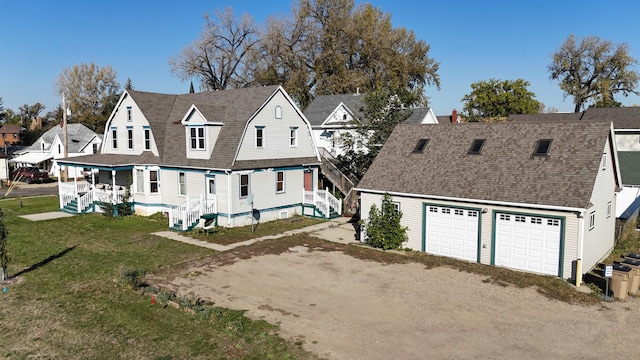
[{"x": 454, "y": 116}]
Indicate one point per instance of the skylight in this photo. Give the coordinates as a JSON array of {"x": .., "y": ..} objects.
[
  {"x": 476, "y": 146},
  {"x": 542, "y": 147},
  {"x": 422, "y": 143}
]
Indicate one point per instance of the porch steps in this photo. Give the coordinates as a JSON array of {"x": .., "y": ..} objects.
[
  {"x": 212, "y": 218},
  {"x": 71, "y": 207}
]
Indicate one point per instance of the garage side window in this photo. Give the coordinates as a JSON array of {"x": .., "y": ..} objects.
[{"x": 592, "y": 220}]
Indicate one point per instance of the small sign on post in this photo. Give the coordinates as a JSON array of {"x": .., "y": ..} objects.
[{"x": 608, "y": 273}]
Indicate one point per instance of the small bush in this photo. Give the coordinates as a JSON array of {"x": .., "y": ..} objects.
[{"x": 382, "y": 228}]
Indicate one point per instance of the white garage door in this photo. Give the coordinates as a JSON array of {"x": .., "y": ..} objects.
[
  {"x": 528, "y": 243},
  {"x": 452, "y": 232}
]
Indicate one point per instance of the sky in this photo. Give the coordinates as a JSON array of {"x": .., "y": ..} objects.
[{"x": 472, "y": 41}]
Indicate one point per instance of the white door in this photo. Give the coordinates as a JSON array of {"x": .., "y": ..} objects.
[
  {"x": 211, "y": 187},
  {"x": 452, "y": 232},
  {"x": 528, "y": 243}
]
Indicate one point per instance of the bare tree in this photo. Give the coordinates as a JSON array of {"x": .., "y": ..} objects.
[
  {"x": 218, "y": 58},
  {"x": 594, "y": 70}
]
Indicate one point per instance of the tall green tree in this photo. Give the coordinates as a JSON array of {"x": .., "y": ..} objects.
[
  {"x": 594, "y": 70},
  {"x": 30, "y": 112},
  {"x": 332, "y": 47},
  {"x": 92, "y": 92},
  {"x": 382, "y": 227},
  {"x": 218, "y": 58},
  {"x": 493, "y": 99},
  {"x": 3, "y": 114}
]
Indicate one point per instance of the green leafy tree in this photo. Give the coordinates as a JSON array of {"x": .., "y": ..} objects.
[
  {"x": 495, "y": 99},
  {"x": 30, "y": 112},
  {"x": 332, "y": 47},
  {"x": 128, "y": 85},
  {"x": 382, "y": 228},
  {"x": 3, "y": 114},
  {"x": 4, "y": 253},
  {"x": 10, "y": 117},
  {"x": 92, "y": 92},
  {"x": 594, "y": 70}
]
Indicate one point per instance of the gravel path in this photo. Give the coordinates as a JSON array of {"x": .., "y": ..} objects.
[{"x": 346, "y": 308}]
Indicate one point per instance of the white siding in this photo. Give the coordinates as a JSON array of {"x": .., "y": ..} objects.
[
  {"x": 413, "y": 214},
  {"x": 599, "y": 241},
  {"x": 276, "y": 133},
  {"x": 120, "y": 122}
]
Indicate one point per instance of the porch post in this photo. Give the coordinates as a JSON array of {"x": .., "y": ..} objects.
[
  {"x": 113, "y": 186},
  {"x": 202, "y": 204},
  {"x": 75, "y": 183},
  {"x": 59, "y": 192}
]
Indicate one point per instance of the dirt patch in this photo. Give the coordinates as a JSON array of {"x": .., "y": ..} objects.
[{"x": 343, "y": 307}]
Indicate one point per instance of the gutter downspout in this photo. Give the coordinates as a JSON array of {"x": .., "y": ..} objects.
[
  {"x": 580, "y": 250},
  {"x": 229, "y": 204}
]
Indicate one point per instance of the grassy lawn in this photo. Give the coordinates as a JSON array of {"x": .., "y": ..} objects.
[{"x": 67, "y": 300}]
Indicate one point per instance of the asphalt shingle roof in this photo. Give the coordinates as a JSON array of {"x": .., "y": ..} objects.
[
  {"x": 323, "y": 105},
  {"x": 78, "y": 136},
  {"x": 622, "y": 117},
  {"x": 505, "y": 170}
]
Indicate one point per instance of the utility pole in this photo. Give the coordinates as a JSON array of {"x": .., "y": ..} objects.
[{"x": 64, "y": 130}]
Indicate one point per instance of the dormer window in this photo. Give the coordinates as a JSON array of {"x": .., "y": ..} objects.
[
  {"x": 278, "y": 112},
  {"x": 196, "y": 137},
  {"x": 344, "y": 117},
  {"x": 422, "y": 143},
  {"x": 542, "y": 147},
  {"x": 476, "y": 146},
  {"x": 259, "y": 136}
]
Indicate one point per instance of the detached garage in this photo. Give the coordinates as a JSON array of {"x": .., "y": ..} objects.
[{"x": 535, "y": 197}]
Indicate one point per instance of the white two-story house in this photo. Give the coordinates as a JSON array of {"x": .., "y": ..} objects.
[{"x": 232, "y": 157}]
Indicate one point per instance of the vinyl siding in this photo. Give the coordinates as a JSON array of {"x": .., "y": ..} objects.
[
  {"x": 276, "y": 133},
  {"x": 412, "y": 217},
  {"x": 599, "y": 241},
  {"x": 120, "y": 123}
]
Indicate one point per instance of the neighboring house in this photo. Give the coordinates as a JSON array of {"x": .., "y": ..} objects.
[
  {"x": 231, "y": 157},
  {"x": 536, "y": 197},
  {"x": 9, "y": 135},
  {"x": 626, "y": 124},
  {"x": 332, "y": 117},
  {"x": 49, "y": 147}
]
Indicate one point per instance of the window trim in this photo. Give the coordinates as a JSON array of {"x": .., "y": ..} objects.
[
  {"x": 592, "y": 220},
  {"x": 603, "y": 162},
  {"x": 140, "y": 179},
  {"x": 129, "y": 114},
  {"x": 247, "y": 185},
  {"x": 280, "y": 184},
  {"x": 197, "y": 138},
  {"x": 278, "y": 112},
  {"x": 609, "y": 209}
]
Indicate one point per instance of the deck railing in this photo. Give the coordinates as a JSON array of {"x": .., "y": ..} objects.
[{"x": 323, "y": 200}]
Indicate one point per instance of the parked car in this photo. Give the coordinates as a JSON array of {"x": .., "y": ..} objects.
[{"x": 31, "y": 174}]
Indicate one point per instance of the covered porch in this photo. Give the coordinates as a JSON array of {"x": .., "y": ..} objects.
[{"x": 89, "y": 194}]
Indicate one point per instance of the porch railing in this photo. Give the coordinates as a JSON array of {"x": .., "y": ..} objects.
[
  {"x": 323, "y": 200},
  {"x": 84, "y": 201},
  {"x": 190, "y": 211}
]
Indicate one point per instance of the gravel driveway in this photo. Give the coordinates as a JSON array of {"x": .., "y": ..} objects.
[{"x": 345, "y": 308}]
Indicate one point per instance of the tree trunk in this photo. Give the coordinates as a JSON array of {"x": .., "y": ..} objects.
[{"x": 4, "y": 274}]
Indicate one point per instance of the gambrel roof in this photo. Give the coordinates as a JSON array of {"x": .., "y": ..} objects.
[
  {"x": 505, "y": 170},
  {"x": 164, "y": 112}
]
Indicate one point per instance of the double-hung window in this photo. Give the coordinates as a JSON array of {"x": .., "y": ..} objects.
[
  {"x": 279, "y": 181},
  {"x": 139, "y": 181},
  {"x": 259, "y": 136},
  {"x": 244, "y": 185},
  {"x": 196, "y": 135},
  {"x": 182, "y": 183},
  {"x": 147, "y": 139},
  {"x": 293, "y": 136},
  {"x": 153, "y": 181},
  {"x": 130, "y": 138},
  {"x": 592, "y": 220},
  {"x": 129, "y": 117},
  {"x": 114, "y": 137}
]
